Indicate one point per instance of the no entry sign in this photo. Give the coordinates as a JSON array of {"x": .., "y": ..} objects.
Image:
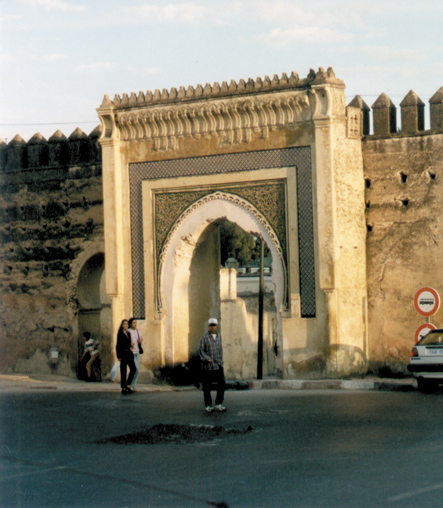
[
  {"x": 427, "y": 301},
  {"x": 423, "y": 330}
]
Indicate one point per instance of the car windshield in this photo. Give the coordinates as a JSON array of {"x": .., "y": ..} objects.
[{"x": 434, "y": 338}]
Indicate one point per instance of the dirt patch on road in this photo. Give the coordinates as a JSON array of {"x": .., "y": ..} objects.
[{"x": 178, "y": 434}]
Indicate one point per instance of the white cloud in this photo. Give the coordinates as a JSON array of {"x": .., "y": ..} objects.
[
  {"x": 187, "y": 12},
  {"x": 279, "y": 37},
  {"x": 5, "y": 58},
  {"x": 9, "y": 17},
  {"x": 385, "y": 54},
  {"x": 52, "y": 5},
  {"x": 49, "y": 58},
  {"x": 153, "y": 70},
  {"x": 296, "y": 21},
  {"x": 312, "y": 14},
  {"x": 94, "y": 67}
]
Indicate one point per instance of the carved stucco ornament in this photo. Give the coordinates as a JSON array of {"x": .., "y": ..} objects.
[
  {"x": 268, "y": 199},
  {"x": 233, "y": 122},
  {"x": 265, "y": 202}
]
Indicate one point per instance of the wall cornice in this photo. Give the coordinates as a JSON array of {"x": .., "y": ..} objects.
[
  {"x": 234, "y": 113},
  {"x": 233, "y": 121}
]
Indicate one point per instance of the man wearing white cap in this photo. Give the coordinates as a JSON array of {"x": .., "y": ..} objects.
[{"x": 211, "y": 356}]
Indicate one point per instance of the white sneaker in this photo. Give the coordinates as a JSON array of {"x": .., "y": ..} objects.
[
  {"x": 220, "y": 408},
  {"x": 209, "y": 409}
]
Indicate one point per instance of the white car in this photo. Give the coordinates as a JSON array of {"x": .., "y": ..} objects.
[{"x": 426, "y": 361}]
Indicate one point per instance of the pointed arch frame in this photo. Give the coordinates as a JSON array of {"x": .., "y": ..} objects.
[
  {"x": 296, "y": 157},
  {"x": 249, "y": 209}
]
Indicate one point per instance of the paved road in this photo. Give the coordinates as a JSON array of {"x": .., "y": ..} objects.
[{"x": 289, "y": 449}]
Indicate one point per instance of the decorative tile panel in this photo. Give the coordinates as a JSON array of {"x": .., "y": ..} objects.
[
  {"x": 268, "y": 197},
  {"x": 305, "y": 217},
  {"x": 169, "y": 206}
]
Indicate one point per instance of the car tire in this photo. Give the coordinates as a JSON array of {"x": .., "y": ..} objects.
[{"x": 426, "y": 385}]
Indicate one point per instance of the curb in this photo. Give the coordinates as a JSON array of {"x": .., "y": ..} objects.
[
  {"x": 25, "y": 382},
  {"x": 397, "y": 385},
  {"x": 408, "y": 385}
]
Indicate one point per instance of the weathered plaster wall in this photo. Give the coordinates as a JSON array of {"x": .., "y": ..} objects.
[
  {"x": 239, "y": 321},
  {"x": 350, "y": 350},
  {"x": 51, "y": 223},
  {"x": 204, "y": 289},
  {"x": 341, "y": 236},
  {"x": 404, "y": 177}
]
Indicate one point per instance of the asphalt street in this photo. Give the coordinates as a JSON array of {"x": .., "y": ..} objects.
[{"x": 272, "y": 448}]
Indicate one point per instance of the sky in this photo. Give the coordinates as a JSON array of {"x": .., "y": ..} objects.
[{"x": 58, "y": 58}]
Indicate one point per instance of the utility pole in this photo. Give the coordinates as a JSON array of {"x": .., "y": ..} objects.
[{"x": 261, "y": 293}]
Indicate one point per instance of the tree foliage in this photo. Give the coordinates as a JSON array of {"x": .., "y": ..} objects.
[{"x": 237, "y": 243}]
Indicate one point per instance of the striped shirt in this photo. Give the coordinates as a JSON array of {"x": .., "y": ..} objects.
[{"x": 210, "y": 348}]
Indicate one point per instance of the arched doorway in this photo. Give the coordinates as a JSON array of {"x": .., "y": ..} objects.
[
  {"x": 94, "y": 314},
  {"x": 194, "y": 287}
]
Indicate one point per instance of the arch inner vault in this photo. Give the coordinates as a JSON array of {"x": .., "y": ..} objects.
[{"x": 189, "y": 305}]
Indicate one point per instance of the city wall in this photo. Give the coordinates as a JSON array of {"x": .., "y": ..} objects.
[
  {"x": 403, "y": 169},
  {"x": 51, "y": 247},
  {"x": 51, "y": 237}
]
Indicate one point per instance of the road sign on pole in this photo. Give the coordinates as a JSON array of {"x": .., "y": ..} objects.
[
  {"x": 423, "y": 330},
  {"x": 427, "y": 301}
]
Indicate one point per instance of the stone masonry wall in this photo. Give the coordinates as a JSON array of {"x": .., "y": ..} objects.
[
  {"x": 403, "y": 188},
  {"x": 51, "y": 223}
]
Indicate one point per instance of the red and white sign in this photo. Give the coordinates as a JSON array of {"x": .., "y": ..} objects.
[
  {"x": 423, "y": 330},
  {"x": 427, "y": 301}
]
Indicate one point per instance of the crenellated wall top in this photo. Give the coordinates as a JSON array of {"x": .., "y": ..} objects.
[
  {"x": 216, "y": 90},
  {"x": 412, "y": 115},
  {"x": 57, "y": 151},
  {"x": 234, "y": 113}
]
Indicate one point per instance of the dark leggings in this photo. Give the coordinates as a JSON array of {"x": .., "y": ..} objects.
[{"x": 127, "y": 361}]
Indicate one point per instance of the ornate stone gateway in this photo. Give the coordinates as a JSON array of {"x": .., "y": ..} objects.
[{"x": 277, "y": 157}]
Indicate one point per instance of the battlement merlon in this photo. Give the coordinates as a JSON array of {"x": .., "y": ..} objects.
[
  {"x": 412, "y": 115},
  {"x": 56, "y": 152},
  {"x": 253, "y": 105},
  {"x": 224, "y": 90}
]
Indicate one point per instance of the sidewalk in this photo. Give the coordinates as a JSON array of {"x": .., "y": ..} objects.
[
  {"x": 55, "y": 382},
  {"x": 365, "y": 384}
]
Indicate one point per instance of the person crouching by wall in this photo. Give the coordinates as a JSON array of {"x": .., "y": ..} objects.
[
  {"x": 126, "y": 357},
  {"x": 89, "y": 368},
  {"x": 86, "y": 356},
  {"x": 136, "y": 340}
]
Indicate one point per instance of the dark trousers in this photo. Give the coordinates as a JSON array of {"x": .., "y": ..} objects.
[
  {"x": 211, "y": 377},
  {"x": 127, "y": 361}
]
